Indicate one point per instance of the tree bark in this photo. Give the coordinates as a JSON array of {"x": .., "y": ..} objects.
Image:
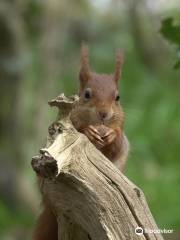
[{"x": 90, "y": 197}]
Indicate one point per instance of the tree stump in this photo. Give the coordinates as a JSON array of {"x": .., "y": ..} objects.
[{"x": 90, "y": 197}]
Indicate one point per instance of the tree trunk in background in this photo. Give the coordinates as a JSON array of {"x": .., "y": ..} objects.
[
  {"x": 51, "y": 45},
  {"x": 12, "y": 69},
  {"x": 148, "y": 44}
]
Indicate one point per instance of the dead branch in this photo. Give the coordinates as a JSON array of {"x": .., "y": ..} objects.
[{"x": 91, "y": 198}]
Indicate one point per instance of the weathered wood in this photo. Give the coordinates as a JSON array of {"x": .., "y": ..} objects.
[{"x": 91, "y": 198}]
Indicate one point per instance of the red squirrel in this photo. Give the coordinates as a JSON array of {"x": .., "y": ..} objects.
[{"x": 99, "y": 115}]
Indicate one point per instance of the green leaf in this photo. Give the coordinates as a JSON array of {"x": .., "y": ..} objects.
[
  {"x": 170, "y": 31},
  {"x": 177, "y": 64}
]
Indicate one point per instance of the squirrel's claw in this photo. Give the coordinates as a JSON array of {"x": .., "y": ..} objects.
[
  {"x": 109, "y": 137},
  {"x": 93, "y": 129},
  {"x": 94, "y": 136}
]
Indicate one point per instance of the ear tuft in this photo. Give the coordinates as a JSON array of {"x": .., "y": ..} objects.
[
  {"x": 119, "y": 63},
  {"x": 84, "y": 73}
]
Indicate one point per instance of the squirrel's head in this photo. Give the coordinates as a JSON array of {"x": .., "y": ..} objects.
[{"x": 99, "y": 91}]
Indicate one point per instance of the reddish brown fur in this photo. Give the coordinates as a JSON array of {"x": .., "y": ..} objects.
[
  {"x": 104, "y": 90},
  {"x": 46, "y": 227},
  {"x": 119, "y": 63},
  {"x": 84, "y": 74}
]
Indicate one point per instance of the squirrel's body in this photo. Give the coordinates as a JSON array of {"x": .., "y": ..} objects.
[
  {"x": 99, "y": 115},
  {"x": 87, "y": 114}
]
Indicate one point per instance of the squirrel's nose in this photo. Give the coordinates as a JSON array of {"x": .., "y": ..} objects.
[{"x": 103, "y": 115}]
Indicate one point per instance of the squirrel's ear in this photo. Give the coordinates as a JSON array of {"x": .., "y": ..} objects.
[
  {"x": 84, "y": 73},
  {"x": 119, "y": 63}
]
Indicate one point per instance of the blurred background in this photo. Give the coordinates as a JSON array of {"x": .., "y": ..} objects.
[{"x": 39, "y": 59}]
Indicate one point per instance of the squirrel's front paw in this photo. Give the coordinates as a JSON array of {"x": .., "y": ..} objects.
[
  {"x": 93, "y": 135},
  {"x": 109, "y": 137}
]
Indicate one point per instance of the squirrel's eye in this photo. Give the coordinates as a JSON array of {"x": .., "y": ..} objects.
[
  {"x": 117, "y": 98},
  {"x": 87, "y": 94}
]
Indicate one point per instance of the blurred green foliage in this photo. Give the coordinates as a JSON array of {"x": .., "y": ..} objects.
[
  {"x": 172, "y": 33},
  {"x": 45, "y": 53}
]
